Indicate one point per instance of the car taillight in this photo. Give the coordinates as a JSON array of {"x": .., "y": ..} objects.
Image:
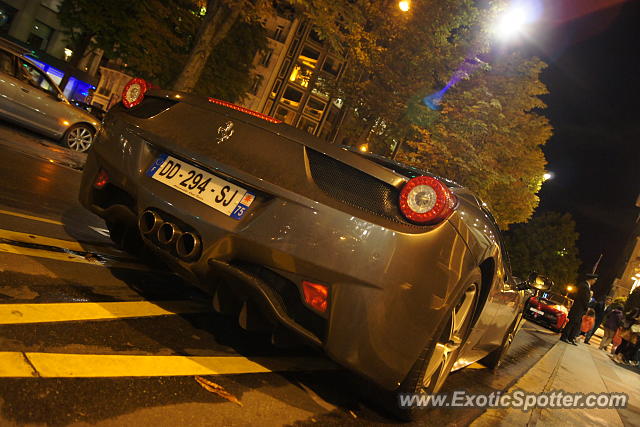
[
  {"x": 133, "y": 92},
  {"x": 316, "y": 295},
  {"x": 425, "y": 200},
  {"x": 101, "y": 180}
]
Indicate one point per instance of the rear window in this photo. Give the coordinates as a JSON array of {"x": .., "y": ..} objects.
[{"x": 151, "y": 106}]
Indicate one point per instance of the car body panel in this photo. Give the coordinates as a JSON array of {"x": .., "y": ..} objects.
[
  {"x": 390, "y": 282},
  {"x": 548, "y": 312},
  {"x": 44, "y": 111}
]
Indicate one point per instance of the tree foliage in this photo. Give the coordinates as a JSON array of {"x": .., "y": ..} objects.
[
  {"x": 153, "y": 39},
  {"x": 94, "y": 24},
  {"x": 547, "y": 245},
  {"x": 489, "y": 136}
]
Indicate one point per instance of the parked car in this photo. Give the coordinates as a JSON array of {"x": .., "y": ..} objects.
[
  {"x": 549, "y": 310},
  {"x": 29, "y": 97},
  {"x": 398, "y": 274}
]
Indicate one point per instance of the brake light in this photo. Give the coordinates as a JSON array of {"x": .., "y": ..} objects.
[
  {"x": 101, "y": 180},
  {"x": 245, "y": 110},
  {"x": 425, "y": 200},
  {"x": 133, "y": 92},
  {"x": 316, "y": 295}
]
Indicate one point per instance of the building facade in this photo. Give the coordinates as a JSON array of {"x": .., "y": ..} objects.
[{"x": 290, "y": 77}]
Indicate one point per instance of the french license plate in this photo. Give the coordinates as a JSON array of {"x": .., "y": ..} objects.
[
  {"x": 209, "y": 189},
  {"x": 535, "y": 310}
]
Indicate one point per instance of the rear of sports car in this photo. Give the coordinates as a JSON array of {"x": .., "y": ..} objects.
[{"x": 325, "y": 244}]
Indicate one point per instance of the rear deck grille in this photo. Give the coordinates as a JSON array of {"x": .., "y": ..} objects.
[{"x": 355, "y": 188}]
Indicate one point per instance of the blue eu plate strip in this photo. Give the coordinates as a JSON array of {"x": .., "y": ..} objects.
[{"x": 156, "y": 165}]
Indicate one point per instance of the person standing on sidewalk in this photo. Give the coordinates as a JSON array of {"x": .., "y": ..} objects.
[
  {"x": 579, "y": 307},
  {"x": 602, "y": 308},
  {"x": 612, "y": 321}
]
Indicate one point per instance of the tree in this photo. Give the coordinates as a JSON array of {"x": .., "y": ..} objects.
[
  {"x": 152, "y": 39},
  {"x": 161, "y": 44},
  {"x": 488, "y": 136},
  {"x": 547, "y": 245},
  {"x": 94, "y": 24},
  {"x": 335, "y": 21}
]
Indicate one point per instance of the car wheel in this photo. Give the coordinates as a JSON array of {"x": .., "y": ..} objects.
[
  {"x": 436, "y": 361},
  {"x": 79, "y": 137},
  {"x": 494, "y": 359}
]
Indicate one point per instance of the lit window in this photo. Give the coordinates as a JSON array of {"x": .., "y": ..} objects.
[{"x": 309, "y": 57}]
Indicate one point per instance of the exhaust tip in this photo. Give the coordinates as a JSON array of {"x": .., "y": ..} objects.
[
  {"x": 188, "y": 246},
  {"x": 149, "y": 222},
  {"x": 168, "y": 233}
]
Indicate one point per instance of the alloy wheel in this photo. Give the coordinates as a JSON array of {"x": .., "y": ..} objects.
[
  {"x": 446, "y": 349},
  {"x": 79, "y": 138}
]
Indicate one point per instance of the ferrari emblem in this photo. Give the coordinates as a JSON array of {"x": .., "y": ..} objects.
[{"x": 225, "y": 132}]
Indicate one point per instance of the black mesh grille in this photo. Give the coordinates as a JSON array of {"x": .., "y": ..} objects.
[
  {"x": 354, "y": 187},
  {"x": 150, "y": 106}
]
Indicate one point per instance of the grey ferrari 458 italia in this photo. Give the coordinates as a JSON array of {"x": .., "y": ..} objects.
[{"x": 397, "y": 274}]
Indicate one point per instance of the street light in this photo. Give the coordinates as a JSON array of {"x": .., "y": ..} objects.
[
  {"x": 569, "y": 289},
  {"x": 547, "y": 176},
  {"x": 404, "y": 5},
  {"x": 516, "y": 18}
]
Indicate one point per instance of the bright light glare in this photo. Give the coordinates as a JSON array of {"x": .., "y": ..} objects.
[
  {"x": 547, "y": 175},
  {"x": 517, "y": 17},
  {"x": 511, "y": 23},
  {"x": 364, "y": 148},
  {"x": 404, "y": 5}
]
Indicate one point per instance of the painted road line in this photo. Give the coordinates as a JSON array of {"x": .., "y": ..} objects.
[
  {"x": 36, "y": 239},
  {"x": 61, "y": 365},
  {"x": 11, "y": 314},
  {"x": 93, "y": 259},
  {"x": 31, "y": 217},
  {"x": 14, "y": 364}
]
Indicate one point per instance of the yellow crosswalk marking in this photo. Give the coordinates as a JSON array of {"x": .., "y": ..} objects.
[
  {"x": 81, "y": 311},
  {"x": 31, "y": 217},
  {"x": 61, "y": 365},
  {"x": 69, "y": 257},
  {"x": 13, "y": 364},
  {"x": 17, "y": 236}
]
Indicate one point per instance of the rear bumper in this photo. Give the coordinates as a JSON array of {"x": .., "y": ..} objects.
[{"x": 388, "y": 290}]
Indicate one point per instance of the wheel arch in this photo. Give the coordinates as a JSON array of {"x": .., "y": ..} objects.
[{"x": 487, "y": 272}]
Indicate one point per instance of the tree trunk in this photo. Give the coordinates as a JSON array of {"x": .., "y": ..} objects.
[
  {"x": 213, "y": 30},
  {"x": 80, "y": 50}
]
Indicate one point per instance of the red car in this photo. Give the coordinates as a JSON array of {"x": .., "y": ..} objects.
[{"x": 549, "y": 310}]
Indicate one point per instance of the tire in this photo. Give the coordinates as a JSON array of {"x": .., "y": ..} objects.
[
  {"x": 79, "y": 137},
  {"x": 494, "y": 359},
  {"x": 434, "y": 365}
]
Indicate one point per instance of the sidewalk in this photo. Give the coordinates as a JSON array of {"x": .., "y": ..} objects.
[{"x": 573, "y": 369}]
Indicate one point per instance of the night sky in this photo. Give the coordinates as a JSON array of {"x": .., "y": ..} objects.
[{"x": 593, "y": 49}]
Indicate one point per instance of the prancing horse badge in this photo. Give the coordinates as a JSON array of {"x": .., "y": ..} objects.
[{"x": 225, "y": 132}]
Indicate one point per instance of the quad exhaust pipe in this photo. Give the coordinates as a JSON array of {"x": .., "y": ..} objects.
[{"x": 187, "y": 245}]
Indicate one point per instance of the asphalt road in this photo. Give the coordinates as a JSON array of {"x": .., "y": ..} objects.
[{"x": 90, "y": 335}]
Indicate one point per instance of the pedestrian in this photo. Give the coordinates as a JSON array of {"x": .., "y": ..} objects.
[
  {"x": 630, "y": 333},
  {"x": 611, "y": 323},
  {"x": 579, "y": 307},
  {"x": 601, "y": 308},
  {"x": 588, "y": 320},
  {"x": 633, "y": 300}
]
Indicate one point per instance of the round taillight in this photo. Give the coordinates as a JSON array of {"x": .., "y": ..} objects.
[
  {"x": 425, "y": 200},
  {"x": 133, "y": 92}
]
